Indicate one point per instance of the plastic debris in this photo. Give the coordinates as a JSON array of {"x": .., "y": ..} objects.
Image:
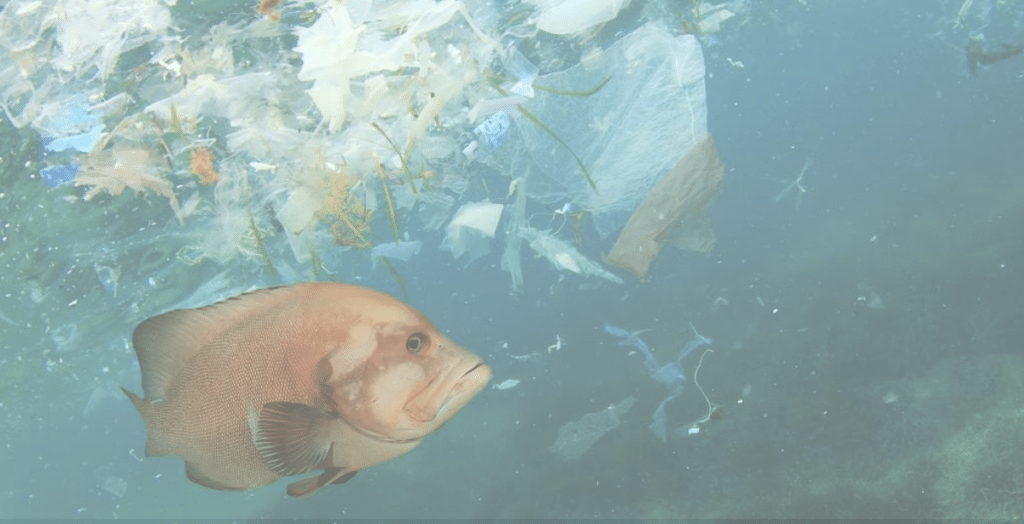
[
  {"x": 472, "y": 229},
  {"x": 673, "y": 212},
  {"x": 712, "y": 17},
  {"x": 507, "y": 384},
  {"x": 563, "y": 255},
  {"x": 116, "y": 486},
  {"x": 515, "y": 220},
  {"x": 83, "y": 142},
  {"x": 650, "y": 111},
  {"x": 261, "y": 168},
  {"x": 494, "y": 130},
  {"x": 576, "y": 437},
  {"x": 403, "y": 251},
  {"x": 670, "y": 375},
  {"x": 113, "y": 172},
  {"x": 570, "y": 17},
  {"x": 59, "y": 175}
]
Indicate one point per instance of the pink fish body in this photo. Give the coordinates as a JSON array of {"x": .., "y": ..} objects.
[{"x": 316, "y": 377}]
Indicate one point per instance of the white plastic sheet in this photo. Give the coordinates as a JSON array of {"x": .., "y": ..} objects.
[{"x": 472, "y": 229}]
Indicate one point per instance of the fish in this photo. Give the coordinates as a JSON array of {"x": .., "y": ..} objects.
[{"x": 318, "y": 377}]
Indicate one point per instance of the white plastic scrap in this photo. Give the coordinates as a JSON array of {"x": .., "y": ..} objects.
[
  {"x": 507, "y": 384},
  {"x": 340, "y": 47},
  {"x": 564, "y": 256},
  {"x": 472, "y": 228},
  {"x": 570, "y": 17}
]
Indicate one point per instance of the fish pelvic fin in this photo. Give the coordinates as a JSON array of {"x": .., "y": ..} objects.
[
  {"x": 291, "y": 438},
  {"x": 313, "y": 484}
]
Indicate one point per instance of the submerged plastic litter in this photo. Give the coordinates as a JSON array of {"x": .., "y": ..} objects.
[
  {"x": 59, "y": 175},
  {"x": 83, "y": 142},
  {"x": 495, "y": 129},
  {"x": 670, "y": 375},
  {"x": 116, "y": 486},
  {"x": 568, "y": 17},
  {"x": 673, "y": 212},
  {"x": 356, "y": 116},
  {"x": 578, "y": 436},
  {"x": 648, "y": 114},
  {"x": 472, "y": 229},
  {"x": 564, "y": 256},
  {"x": 403, "y": 250}
]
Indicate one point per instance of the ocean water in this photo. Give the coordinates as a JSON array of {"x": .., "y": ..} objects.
[{"x": 865, "y": 323}]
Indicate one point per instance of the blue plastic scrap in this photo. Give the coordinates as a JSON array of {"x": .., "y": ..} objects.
[
  {"x": 495, "y": 129},
  {"x": 670, "y": 375},
  {"x": 83, "y": 142},
  {"x": 59, "y": 175}
]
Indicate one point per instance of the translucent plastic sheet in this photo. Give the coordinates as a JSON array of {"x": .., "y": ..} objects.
[
  {"x": 576, "y": 437},
  {"x": 472, "y": 229},
  {"x": 564, "y": 256},
  {"x": 628, "y": 133},
  {"x": 673, "y": 212}
]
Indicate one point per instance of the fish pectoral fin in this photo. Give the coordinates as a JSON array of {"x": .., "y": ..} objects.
[
  {"x": 291, "y": 438},
  {"x": 313, "y": 484}
]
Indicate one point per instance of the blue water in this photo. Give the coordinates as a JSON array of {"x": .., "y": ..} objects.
[{"x": 866, "y": 332}]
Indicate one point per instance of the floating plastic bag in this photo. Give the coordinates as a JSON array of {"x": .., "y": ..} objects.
[
  {"x": 472, "y": 229},
  {"x": 576, "y": 437},
  {"x": 627, "y": 133},
  {"x": 674, "y": 211}
]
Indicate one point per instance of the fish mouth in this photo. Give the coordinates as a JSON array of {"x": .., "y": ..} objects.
[
  {"x": 472, "y": 378},
  {"x": 474, "y": 368},
  {"x": 449, "y": 392}
]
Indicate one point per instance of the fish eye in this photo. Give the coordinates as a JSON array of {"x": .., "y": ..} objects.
[{"x": 416, "y": 342}]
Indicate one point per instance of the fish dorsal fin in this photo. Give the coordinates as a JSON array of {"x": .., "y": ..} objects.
[
  {"x": 290, "y": 438},
  {"x": 313, "y": 484},
  {"x": 165, "y": 343}
]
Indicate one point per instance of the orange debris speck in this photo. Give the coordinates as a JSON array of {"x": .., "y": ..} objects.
[
  {"x": 202, "y": 166},
  {"x": 267, "y": 8}
]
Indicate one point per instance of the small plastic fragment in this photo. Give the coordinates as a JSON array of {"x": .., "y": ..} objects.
[
  {"x": 495, "y": 129},
  {"x": 83, "y": 142},
  {"x": 403, "y": 250},
  {"x": 56, "y": 176}
]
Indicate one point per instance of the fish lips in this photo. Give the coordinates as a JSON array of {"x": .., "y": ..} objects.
[{"x": 463, "y": 381}]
